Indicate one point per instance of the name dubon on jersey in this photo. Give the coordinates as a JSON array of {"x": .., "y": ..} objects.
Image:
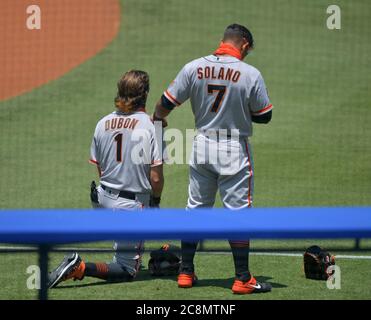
[{"x": 124, "y": 147}]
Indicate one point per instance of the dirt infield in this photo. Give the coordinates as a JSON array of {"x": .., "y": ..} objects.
[{"x": 71, "y": 31}]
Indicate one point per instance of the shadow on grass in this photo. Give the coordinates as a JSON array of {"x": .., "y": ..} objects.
[
  {"x": 145, "y": 276},
  {"x": 142, "y": 276},
  {"x": 82, "y": 285},
  {"x": 227, "y": 283}
]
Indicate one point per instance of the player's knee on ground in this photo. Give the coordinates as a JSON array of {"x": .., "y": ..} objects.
[
  {"x": 129, "y": 255},
  {"x": 117, "y": 273}
]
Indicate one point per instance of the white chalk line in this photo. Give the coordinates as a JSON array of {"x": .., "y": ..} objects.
[
  {"x": 271, "y": 254},
  {"x": 279, "y": 254}
]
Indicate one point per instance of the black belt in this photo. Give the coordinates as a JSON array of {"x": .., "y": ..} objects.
[{"x": 123, "y": 194}]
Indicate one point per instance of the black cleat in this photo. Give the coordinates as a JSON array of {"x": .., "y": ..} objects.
[{"x": 72, "y": 266}]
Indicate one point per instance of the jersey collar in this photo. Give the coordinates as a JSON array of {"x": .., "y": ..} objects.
[
  {"x": 141, "y": 109},
  {"x": 228, "y": 49}
]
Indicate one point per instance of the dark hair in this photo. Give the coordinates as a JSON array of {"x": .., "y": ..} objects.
[
  {"x": 133, "y": 88},
  {"x": 237, "y": 31}
]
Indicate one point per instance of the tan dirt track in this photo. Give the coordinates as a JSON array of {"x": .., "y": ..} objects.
[{"x": 71, "y": 32}]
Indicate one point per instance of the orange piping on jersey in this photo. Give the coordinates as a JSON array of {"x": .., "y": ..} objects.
[
  {"x": 249, "y": 203},
  {"x": 98, "y": 167},
  {"x": 94, "y": 162},
  {"x": 229, "y": 49},
  {"x": 264, "y": 110},
  {"x": 171, "y": 98}
]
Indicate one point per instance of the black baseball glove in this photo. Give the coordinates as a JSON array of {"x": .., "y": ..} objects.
[
  {"x": 316, "y": 263},
  {"x": 154, "y": 202},
  {"x": 165, "y": 261},
  {"x": 93, "y": 192}
]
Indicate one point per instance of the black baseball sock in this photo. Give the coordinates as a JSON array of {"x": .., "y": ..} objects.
[
  {"x": 188, "y": 253},
  {"x": 240, "y": 251},
  {"x": 112, "y": 272}
]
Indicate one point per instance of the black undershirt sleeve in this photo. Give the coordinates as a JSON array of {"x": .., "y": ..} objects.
[
  {"x": 264, "y": 118},
  {"x": 166, "y": 103}
]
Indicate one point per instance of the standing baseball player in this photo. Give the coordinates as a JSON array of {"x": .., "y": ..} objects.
[
  {"x": 226, "y": 95},
  {"x": 129, "y": 163}
]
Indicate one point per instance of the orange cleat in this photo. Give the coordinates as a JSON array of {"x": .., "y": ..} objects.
[
  {"x": 251, "y": 286},
  {"x": 186, "y": 280}
]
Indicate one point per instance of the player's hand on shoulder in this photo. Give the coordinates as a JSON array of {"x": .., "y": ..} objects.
[{"x": 163, "y": 120}]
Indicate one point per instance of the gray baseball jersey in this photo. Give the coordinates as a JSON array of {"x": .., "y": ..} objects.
[
  {"x": 125, "y": 147},
  {"x": 224, "y": 92}
]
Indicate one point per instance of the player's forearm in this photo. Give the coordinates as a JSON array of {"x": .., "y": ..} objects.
[
  {"x": 160, "y": 111},
  {"x": 157, "y": 180}
]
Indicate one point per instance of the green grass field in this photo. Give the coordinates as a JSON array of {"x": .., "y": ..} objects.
[
  {"x": 215, "y": 280},
  {"x": 315, "y": 152}
]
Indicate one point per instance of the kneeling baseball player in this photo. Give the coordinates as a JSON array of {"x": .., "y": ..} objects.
[{"x": 127, "y": 182}]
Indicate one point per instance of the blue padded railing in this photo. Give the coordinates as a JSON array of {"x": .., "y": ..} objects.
[
  {"x": 85, "y": 225},
  {"x": 49, "y": 227}
]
